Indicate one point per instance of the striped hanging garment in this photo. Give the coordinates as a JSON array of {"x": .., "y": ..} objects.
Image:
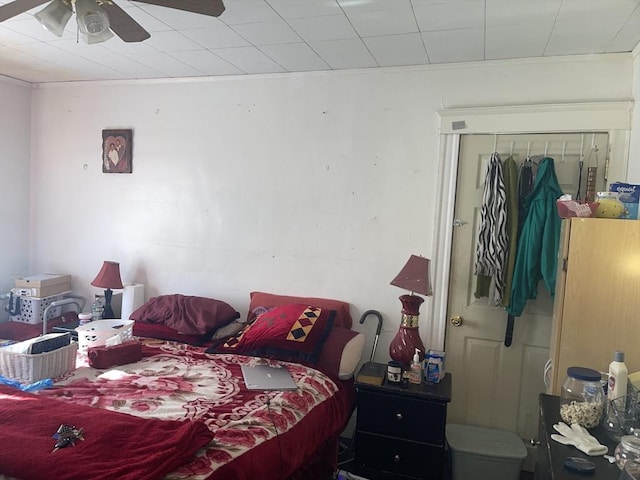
[{"x": 493, "y": 242}]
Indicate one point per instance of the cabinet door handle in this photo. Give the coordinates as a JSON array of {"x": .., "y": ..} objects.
[
  {"x": 398, "y": 416},
  {"x": 396, "y": 458}
]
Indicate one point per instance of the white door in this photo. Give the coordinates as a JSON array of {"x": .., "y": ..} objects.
[{"x": 494, "y": 385}]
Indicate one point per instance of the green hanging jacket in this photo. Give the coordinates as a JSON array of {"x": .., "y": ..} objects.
[{"x": 537, "y": 254}]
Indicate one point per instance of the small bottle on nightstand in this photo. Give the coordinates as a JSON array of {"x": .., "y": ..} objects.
[{"x": 415, "y": 372}]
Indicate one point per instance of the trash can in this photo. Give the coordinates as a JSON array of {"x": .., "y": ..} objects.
[{"x": 479, "y": 453}]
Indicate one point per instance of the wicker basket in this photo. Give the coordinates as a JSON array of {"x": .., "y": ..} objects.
[{"x": 29, "y": 368}]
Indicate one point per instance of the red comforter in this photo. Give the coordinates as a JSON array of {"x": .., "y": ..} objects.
[
  {"x": 257, "y": 435},
  {"x": 116, "y": 445}
]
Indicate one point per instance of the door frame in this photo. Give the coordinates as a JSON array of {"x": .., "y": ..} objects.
[{"x": 613, "y": 118}]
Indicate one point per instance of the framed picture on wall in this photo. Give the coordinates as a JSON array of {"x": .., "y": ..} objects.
[{"x": 116, "y": 151}]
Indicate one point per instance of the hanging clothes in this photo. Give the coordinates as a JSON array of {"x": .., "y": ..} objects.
[
  {"x": 523, "y": 178},
  {"x": 538, "y": 241},
  {"x": 491, "y": 248},
  {"x": 510, "y": 172}
]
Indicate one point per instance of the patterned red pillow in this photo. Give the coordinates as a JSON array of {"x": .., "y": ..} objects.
[{"x": 288, "y": 332}]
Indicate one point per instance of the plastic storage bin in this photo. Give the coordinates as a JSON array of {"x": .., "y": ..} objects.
[
  {"x": 98, "y": 333},
  {"x": 479, "y": 453},
  {"x": 31, "y": 309}
]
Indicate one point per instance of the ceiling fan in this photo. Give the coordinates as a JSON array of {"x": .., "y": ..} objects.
[{"x": 97, "y": 19}]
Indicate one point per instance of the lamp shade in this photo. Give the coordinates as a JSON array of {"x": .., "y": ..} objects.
[
  {"x": 55, "y": 16},
  {"x": 414, "y": 276},
  {"x": 108, "y": 276}
]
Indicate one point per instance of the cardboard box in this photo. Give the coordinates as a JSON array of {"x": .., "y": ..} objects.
[
  {"x": 41, "y": 286},
  {"x": 630, "y": 196}
]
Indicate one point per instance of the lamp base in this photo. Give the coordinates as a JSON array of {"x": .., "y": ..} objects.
[
  {"x": 108, "y": 311},
  {"x": 404, "y": 345}
]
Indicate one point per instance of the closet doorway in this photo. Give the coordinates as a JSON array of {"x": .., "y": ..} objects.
[{"x": 497, "y": 386}]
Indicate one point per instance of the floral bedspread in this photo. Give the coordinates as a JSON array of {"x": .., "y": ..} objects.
[{"x": 258, "y": 434}]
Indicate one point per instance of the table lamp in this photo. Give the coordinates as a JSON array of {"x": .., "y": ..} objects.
[
  {"x": 414, "y": 277},
  {"x": 108, "y": 277}
]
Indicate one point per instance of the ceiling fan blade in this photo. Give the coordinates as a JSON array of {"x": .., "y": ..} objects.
[
  {"x": 12, "y": 9},
  {"x": 123, "y": 25},
  {"x": 213, "y": 8}
]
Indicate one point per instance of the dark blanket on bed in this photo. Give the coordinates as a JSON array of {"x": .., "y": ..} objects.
[{"x": 116, "y": 446}]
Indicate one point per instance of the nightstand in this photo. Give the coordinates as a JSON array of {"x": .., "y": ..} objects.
[{"x": 400, "y": 430}]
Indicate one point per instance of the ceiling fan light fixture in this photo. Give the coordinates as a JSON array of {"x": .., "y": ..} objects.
[
  {"x": 97, "y": 37},
  {"x": 54, "y": 17},
  {"x": 93, "y": 21}
]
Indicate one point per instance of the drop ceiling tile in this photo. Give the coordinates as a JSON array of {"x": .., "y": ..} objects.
[
  {"x": 629, "y": 36},
  {"x": 9, "y": 36},
  {"x": 148, "y": 22},
  {"x": 296, "y": 57},
  {"x": 206, "y": 62},
  {"x": 171, "y": 41},
  {"x": 219, "y": 37},
  {"x": 248, "y": 11},
  {"x": 451, "y": 46},
  {"x": 30, "y": 27},
  {"x": 530, "y": 15},
  {"x": 289, "y": 9},
  {"x": 380, "y": 17},
  {"x": 249, "y": 60},
  {"x": 330, "y": 27},
  {"x": 393, "y": 50},
  {"x": 129, "y": 48},
  {"x": 164, "y": 63},
  {"x": 515, "y": 41},
  {"x": 267, "y": 33},
  {"x": 435, "y": 16},
  {"x": 344, "y": 53},
  {"x": 587, "y": 26},
  {"x": 179, "y": 19}
]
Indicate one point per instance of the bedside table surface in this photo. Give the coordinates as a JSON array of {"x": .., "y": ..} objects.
[{"x": 436, "y": 391}]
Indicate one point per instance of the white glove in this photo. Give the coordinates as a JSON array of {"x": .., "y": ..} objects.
[{"x": 580, "y": 438}]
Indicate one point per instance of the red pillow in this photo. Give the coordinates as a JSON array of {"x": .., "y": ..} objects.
[
  {"x": 187, "y": 315},
  {"x": 294, "y": 333},
  {"x": 261, "y": 301},
  {"x": 162, "y": 332}
]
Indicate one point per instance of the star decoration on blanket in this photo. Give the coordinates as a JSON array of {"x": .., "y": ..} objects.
[{"x": 67, "y": 435}]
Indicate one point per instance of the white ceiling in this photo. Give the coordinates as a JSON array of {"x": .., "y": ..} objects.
[{"x": 269, "y": 36}]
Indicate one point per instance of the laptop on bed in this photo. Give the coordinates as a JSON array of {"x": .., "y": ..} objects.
[{"x": 267, "y": 377}]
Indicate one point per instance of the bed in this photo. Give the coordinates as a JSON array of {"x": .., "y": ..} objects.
[{"x": 182, "y": 411}]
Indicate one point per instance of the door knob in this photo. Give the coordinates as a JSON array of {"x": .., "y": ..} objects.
[{"x": 456, "y": 321}]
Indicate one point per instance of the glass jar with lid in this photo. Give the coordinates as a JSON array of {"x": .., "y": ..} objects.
[
  {"x": 628, "y": 449},
  {"x": 582, "y": 398}
]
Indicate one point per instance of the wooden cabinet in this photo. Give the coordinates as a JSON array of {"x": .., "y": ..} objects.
[
  {"x": 400, "y": 430},
  {"x": 597, "y": 298}
]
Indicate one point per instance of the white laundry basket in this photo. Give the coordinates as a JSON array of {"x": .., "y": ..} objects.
[{"x": 103, "y": 332}]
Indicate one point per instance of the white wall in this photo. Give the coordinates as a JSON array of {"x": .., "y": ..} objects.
[
  {"x": 314, "y": 184},
  {"x": 15, "y": 127}
]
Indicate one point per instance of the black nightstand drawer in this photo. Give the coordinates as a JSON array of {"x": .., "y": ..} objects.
[
  {"x": 407, "y": 418},
  {"x": 398, "y": 457}
]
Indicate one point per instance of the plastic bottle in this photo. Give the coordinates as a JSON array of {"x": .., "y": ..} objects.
[
  {"x": 415, "y": 372},
  {"x": 617, "y": 377},
  {"x": 97, "y": 308},
  {"x": 433, "y": 369}
]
